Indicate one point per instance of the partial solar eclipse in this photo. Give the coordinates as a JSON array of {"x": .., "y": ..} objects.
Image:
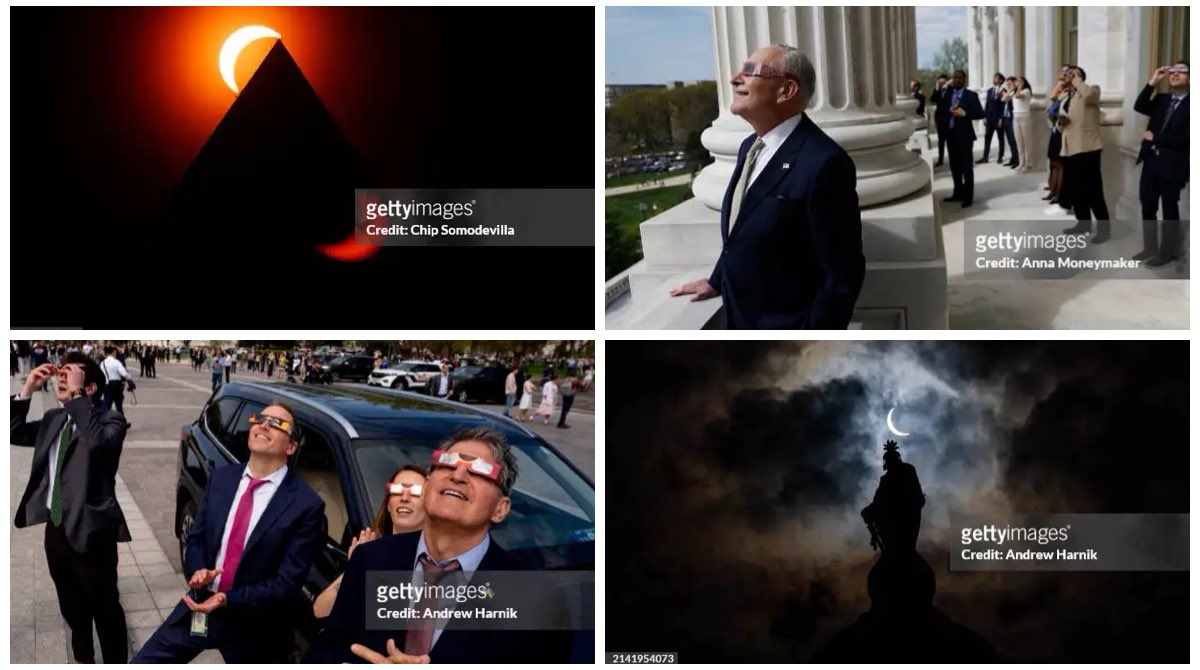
[
  {"x": 892, "y": 427},
  {"x": 234, "y": 45}
]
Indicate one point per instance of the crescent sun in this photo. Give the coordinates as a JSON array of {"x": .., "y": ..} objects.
[
  {"x": 234, "y": 45},
  {"x": 892, "y": 427}
]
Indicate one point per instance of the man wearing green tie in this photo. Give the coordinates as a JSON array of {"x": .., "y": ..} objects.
[{"x": 77, "y": 448}]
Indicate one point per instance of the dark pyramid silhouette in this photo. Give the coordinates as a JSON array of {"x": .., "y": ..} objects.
[{"x": 275, "y": 169}]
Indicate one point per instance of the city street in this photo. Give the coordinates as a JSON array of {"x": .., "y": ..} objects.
[{"x": 149, "y": 569}]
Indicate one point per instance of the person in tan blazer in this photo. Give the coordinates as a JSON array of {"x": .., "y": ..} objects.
[{"x": 1079, "y": 121}]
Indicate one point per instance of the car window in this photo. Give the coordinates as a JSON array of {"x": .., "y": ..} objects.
[
  {"x": 238, "y": 443},
  {"x": 428, "y": 368},
  {"x": 552, "y": 506},
  {"x": 317, "y": 466},
  {"x": 219, "y": 415}
]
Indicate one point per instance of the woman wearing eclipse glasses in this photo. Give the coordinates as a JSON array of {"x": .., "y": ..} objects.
[{"x": 402, "y": 511}]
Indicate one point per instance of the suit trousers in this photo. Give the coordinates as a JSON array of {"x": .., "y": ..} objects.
[
  {"x": 87, "y": 592},
  {"x": 1087, "y": 186},
  {"x": 1012, "y": 141},
  {"x": 962, "y": 168},
  {"x": 1155, "y": 187},
  {"x": 114, "y": 394},
  {"x": 989, "y": 128},
  {"x": 174, "y": 643}
]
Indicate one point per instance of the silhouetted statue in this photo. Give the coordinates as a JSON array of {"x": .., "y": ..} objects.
[
  {"x": 894, "y": 517},
  {"x": 903, "y": 626}
]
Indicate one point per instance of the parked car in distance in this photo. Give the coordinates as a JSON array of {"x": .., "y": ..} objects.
[
  {"x": 405, "y": 375},
  {"x": 350, "y": 368},
  {"x": 479, "y": 383}
]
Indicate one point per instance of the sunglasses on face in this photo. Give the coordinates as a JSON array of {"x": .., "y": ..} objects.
[
  {"x": 476, "y": 465},
  {"x": 1178, "y": 69},
  {"x": 414, "y": 490},
  {"x": 752, "y": 69},
  {"x": 273, "y": 422}
]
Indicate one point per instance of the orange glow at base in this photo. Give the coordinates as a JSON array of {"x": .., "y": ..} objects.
[{"x": 348, "y": 250}]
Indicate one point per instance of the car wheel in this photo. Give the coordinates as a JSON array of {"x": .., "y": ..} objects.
[
  {"x": 186, "y": 519},
  {"x": 462, "y": 396},
  {"x": 399, "y": 384}
]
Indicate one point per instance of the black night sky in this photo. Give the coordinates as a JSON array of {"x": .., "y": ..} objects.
[{"x": 736, "y": 472}]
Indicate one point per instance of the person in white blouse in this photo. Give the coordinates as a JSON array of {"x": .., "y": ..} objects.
[{"x": 1022, "y": 122}]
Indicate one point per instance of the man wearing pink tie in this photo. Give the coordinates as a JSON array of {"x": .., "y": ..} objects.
[{"x": 250, "y": 548}]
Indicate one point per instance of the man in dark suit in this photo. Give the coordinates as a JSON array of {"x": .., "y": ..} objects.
[
  {"x": 994, "y": 118},
  {"x": 915, "y": 88},
  {"x": 941, "y": 118},
  {"x": 961, "y": 106},
  {"x": 792, "y": 235},
  {"x": 1165, "y": 156},
  {"x": 72, "y": 485},
  {"x": 1009, "y": 90},
  {"x": 467, "y": 493},
  {"x": 250, "y": 548}
]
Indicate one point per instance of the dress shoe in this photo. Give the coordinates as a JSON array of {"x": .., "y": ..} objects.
[
  {"x": 1158, "y": 261},
  {"x": 1000, "y": 160},
  {"x": 1143, "y": 255},
  {"x": 981, "y": 161},
  {"x": 1049, "y": 197},
  {"x": 966, "y": 204},
  {"x": 938, "y": 164},
  {"x": 1045, "y": 188},
  {"x": 953, "y": 198},
  {"x": 1053, "y": 201},
  {"x": 1013, "y": 165}
]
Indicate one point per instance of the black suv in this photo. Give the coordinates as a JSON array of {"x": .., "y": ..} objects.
[
  {"x": 351, "y": 368},
  {"x": 479, "y": 383},
  {"x": 354, "y": 436}
]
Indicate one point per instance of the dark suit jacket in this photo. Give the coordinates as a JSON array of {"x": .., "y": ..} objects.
[
  {"x": 969, "y": 102},
  {"x": 920, "y": 98},
  {"x": 91, "y": 515},
  {"x": 794, "y": 258},
  {"x": 994, "y": 109},
  {"x": 941, "y": 117},
  {"x": 346, "y": 624},
  {"x": 1172, "y": 160},
  {"x": 278, "y": 555}
]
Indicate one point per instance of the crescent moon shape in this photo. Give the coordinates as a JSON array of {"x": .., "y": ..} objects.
[
  {"x": 234, "y": 45},
  {"x": 892, "y": 427}
]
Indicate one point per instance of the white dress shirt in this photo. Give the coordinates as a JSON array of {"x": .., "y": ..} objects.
[
  {"x": 262, "y": 497},
  {"x": 469, "y": 560},
  {"x": 113, "y": 369},
  {"x": 771, "y": 143}
]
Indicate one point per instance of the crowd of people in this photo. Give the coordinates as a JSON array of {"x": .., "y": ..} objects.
[{"x": 1075, "y": 184}]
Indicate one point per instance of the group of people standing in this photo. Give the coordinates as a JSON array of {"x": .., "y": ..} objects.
[{"x": 1075, "y": 184}]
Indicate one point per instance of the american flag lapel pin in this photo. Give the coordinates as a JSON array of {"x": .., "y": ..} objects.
[{"x": 787, "y": 165}]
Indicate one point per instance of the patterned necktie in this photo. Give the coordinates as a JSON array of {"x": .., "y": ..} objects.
[
  {"x": 1170, "y": 110},
  {"x": 237, "y": 535},
  {"x": 739, "y": 192},
  {"x": 64, "y": 441},
  {"x": 419, "y": 639}
]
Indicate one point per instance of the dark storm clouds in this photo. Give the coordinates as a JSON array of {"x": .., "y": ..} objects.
[{"x": 738, "y": 471}]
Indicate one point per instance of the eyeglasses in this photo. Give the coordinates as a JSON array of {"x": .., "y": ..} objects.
[
  {"x": 273, "y": 422},
  {"x": 752, "y": 69},
  {"x": 414, "y": 490},
  {"x": 1178, "y": 69},
  {"x": 477, "y": 466}
]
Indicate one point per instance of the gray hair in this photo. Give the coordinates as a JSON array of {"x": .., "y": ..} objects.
[
  {"x": 501, "y": 452},
  {"x": 797, "y": 64}
]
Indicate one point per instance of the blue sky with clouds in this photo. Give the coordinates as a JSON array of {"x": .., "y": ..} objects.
[{"x": 655, "y": 45}]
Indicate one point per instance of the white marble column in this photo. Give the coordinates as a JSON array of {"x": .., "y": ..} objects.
[
  {"x": 974, "y": 45},
  {"x": 853, "y": 50},
  {"x": 1041, "y": 49},
  {"x": 1134, "y": 76},
  {"x": 990, "y": 48},
  {"x": 1008, "y": 39}
]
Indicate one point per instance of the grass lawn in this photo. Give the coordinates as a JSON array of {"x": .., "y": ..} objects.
[
  {"x": 626, "y": 180},
  {"x": 622, "y": 215}
]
